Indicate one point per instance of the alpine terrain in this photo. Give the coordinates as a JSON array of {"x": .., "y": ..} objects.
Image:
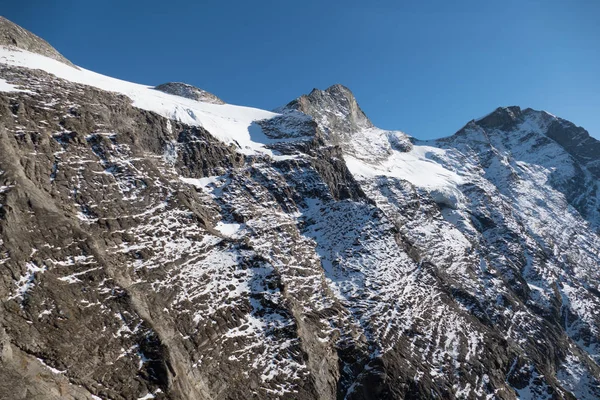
[{"x": 158, "y": 243}]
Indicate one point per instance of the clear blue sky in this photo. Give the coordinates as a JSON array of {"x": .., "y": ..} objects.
[{"x": 424, "y": 67}]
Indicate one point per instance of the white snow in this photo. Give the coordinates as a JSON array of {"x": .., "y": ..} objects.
[
  {"x": 228, "y": 123},
  {"x": 26, "y": 282},
  {"x": 227, "y": 229},
  {"x": 200, "y": 183},
  {"x": 7, "y": 87},
  {"x": 417, "y": 167},
  {"x": 53, "y": 370},
  {"x": 73, "y": 277},
  {"x": 576, "y": 378}
]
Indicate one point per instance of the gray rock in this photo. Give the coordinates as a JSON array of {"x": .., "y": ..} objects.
[
  {"x": 189, "y": 92},
  {"x": 13, "y": 35},
  {"x": 336, "y": 109}
]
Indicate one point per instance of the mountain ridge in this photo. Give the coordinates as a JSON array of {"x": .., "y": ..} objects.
[
  {"x": 12, "y": 34},
  {"x": 192, "y": 250}
]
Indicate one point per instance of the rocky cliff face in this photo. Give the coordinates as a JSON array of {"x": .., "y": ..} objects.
[{"x": 155, "y": 246}]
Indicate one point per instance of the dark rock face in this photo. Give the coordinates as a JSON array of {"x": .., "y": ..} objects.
[
  {"x": 291, "y": 124},
  {"x": 502, "y": 118},
  {"x": 13, "y": 35},
  {"x": 143, "y": 258},
  {"x": 578, "y": 142},
  {"x": 189, "y": 92},
  {"x": 98, "y": 270}
]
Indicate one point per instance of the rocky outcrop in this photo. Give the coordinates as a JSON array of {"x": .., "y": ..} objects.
[
  {"x": 189, "y": 92},
  {"x": 579, "y": 167},
  {"x": 341, "y": 122},
  {"x": 335, "y": 108},
  {"x": 13, "y": 35}
]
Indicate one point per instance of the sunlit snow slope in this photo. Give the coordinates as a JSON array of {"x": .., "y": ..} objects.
[{"x": 228, "y": 123}]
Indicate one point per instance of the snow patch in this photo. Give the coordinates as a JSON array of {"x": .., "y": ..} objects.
[
  {"x": 53, "y": 370},
  {"x": 27, "y": 281},
  {"x": 228, "y": 229},
  {"x": 228, "y": 123},
  {"x": 200, "y": 183},
  {"x": 417, "y": 167},
  {"x": 7, "y": 87}
]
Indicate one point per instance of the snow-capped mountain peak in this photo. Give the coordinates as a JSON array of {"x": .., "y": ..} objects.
[
  {"x": 191, "y": 250},
  {"x": 335, "y": 109}
]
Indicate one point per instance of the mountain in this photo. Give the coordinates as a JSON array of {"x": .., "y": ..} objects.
[{"x": 154, "y": 245}]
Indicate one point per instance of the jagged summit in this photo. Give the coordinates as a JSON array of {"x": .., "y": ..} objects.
[
  {"x": 342, "y": 122},
  {"x": 13, "y": 35},
  {"x": 501, "y": 117},
  {"x": 189, "y": 91},
  {"x": 336, "y": 105},
  {"x": 574, "y": 139}
]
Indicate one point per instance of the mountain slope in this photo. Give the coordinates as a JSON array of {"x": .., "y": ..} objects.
[
  {"x": 14, "y": 36},
  {"x": 509, "y": 240},
  {"x": 191, "y": 250}
]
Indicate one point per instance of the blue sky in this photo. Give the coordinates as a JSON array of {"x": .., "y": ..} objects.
[{"x": 426, "y": 67}]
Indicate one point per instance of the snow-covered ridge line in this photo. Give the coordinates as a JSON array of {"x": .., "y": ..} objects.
[
  {"x": 235, "y": 124},
  {"x": 228, "y": 123}
]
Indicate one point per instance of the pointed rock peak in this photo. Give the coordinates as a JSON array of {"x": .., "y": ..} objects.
[
  {"x": 501, "y": 118},
  {"x": 337, "y": 92},
  {"x": 189, "y": 91},
  {"x": 12, "y": 35},
  {"x": 340, "y": 90},
  {"x": 335, "y": 108}
]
